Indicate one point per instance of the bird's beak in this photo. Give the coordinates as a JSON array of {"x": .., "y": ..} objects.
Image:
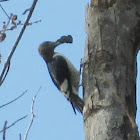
[{"x": 56, "y": 44}]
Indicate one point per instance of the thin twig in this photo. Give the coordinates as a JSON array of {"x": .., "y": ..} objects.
[
  {"x": 31, "y": 23},
  {"x": 19, "y": 136},
  {"x": 5, "y": 28},
  {"x": 3, "y": 0},
  {"x": 14, "y": 123},
  {"x": 17, "y": 41},
  {"x": 14, "y": 99},
  {"x": 7, "y": 70},
  {"x": 26, "y": 11},
  {"x": 4, "y": 11},
  {"x": 34, "y": 22},
  {"x": 4, "y": 130},
  {"x": 32, "y": 115}
]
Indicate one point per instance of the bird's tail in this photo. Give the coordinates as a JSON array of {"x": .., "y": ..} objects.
[{"x": 77, "y": 103}]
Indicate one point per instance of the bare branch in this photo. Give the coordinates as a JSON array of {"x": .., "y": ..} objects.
[
  {"x": 14, "y": 99},
  {"x": 4, "y": 130},
  {"x": 26, "y": 11},
  {"x": 3, "y": 0},
  {"x": 30, "y": 23},
  {"x": 4, "y": 10},
  {"x": 19, "y": 23},
  {"x": 19, "y": 136},
  {"x": 2, "y": 38},
  {"x": 5, "y": 26},
  {"x": 7, "y": 70},
  {"x": 0, "y": 57},
  {"x": 17, "y": 41},
  {"x": 14, "y": 123},
  {"x": 32, "y": 115}
]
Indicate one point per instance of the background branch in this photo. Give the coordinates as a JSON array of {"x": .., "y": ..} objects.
[
  {"x": 17, "y": 41},
  {"x": 32, "y": 115},
  {"x": 4, "y": 130},
  {"x": 19, "y": 136},
  {"x": 4, "y": 11},
  {"x": 14, "y": 123},
  {"x": 3, "y": 0},
  {"x": 14, "y": 99}
]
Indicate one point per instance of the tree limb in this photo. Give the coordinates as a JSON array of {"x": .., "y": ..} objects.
[
  {"x": 17, "y": 41},
  {"x": 4, "y": 130},
  {"x": 4, "y": 11},
  {"x": 6, "y": 72},
  {"x": 26, "y": 11},
  {"x": 3, "y": 0},
  {"x": 14, "y": 99},
  {"x": 32, "y": 115},
  {"x": 19, "y": 136},
  {"x": 14, "y": 123}
]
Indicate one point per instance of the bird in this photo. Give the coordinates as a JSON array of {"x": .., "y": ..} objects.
[{"x": 63, "y": 73}]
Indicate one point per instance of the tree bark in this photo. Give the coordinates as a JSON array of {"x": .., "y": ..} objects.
[{"x": 109, "y": 70}]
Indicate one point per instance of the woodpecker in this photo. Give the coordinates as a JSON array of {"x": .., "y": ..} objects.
[{"x": 63, "y": 73}]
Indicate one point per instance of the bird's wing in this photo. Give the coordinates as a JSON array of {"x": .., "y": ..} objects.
[{"x": 59, "y": 72}]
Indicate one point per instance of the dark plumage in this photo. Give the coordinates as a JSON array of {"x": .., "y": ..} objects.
[{"x": 64, "y": 75}]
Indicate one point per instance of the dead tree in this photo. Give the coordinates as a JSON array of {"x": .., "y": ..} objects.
[{"x": 109, "y": 76}]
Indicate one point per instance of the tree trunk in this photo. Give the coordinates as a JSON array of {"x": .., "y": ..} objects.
[{"x": 109, "y": 75}]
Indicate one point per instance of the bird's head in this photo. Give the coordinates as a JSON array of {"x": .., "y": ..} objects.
[
  {"x": 46, "y": 50},
  {"x": 47, "y": 47}
]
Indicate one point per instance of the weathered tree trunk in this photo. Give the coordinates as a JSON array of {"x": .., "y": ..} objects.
[{"x": 109, "y": 77}]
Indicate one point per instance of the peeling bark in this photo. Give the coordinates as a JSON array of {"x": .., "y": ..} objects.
[{"x": 109, "y": 77}]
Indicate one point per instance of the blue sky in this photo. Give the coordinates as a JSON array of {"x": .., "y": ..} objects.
[{"x": 55, "y": 118}]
